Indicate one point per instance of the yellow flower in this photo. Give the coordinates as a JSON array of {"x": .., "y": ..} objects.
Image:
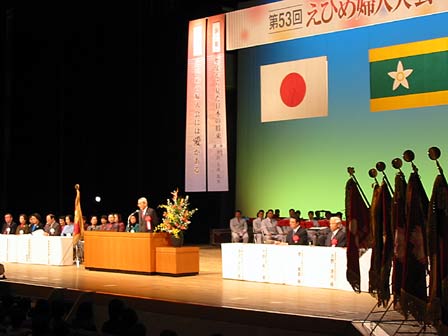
[{"x": 177, "y": 216}]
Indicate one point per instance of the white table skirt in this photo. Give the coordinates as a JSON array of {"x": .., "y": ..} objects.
[
  {"x": 46, "y": 250},
  {"x": 311, "y": 266}
]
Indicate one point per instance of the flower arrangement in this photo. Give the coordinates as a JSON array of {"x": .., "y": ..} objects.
[{"x": 176, "y": 217}]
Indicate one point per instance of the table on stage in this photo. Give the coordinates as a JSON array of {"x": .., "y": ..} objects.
[
  {"x": 123, "y": 251},
  {"x": 46, "y": 250},
  {"x": 311, "y": 266}
]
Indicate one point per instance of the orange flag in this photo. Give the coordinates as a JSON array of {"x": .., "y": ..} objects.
[{"x": 78, "y": 230}]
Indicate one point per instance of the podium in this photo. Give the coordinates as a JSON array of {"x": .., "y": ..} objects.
[
  {"x": 177, "y": 261},
  {"x": 123, "y": 251}
]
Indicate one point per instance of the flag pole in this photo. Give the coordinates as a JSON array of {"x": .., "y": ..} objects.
[
  {"x": 373, "y": 174},
  {"x": 351, "y": 171},
  {"x": 78, "y": 231},
  {"x": 397, "y": 163},
  {"x": 381, "y": 166},
  {"x": 434, "y": 154},
  {"x": 409, "y": 156}
]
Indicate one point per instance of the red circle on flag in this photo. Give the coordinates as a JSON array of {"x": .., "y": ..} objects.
[{"x": 293, "y": 89}]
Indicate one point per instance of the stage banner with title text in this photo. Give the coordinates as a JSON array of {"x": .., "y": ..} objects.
[
  {"x": 195, "y": 136},
  {"x": 292, "y": 19},
  {"x": 217, "y": 172}
]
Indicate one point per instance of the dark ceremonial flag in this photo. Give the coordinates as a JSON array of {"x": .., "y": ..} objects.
[
  {"x": 358, "y": 233},
  {"x": 437, "y": 235},
  {"x": 388, "y": 246},
  {"x": 376, "y": 232},
  {"x": 413, "y": 297},
  {"x": 398, "y": 224}
]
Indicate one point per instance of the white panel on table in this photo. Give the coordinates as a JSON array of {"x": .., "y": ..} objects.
[
  {"x": 23, "y": 248},
  {"x": 38, "y": 250},
  {"x": 254, "y": 262},
  {"x": 340, "y": 272},
  {"x": 60, "y": 250},
  {"x": 3, "y": 248},
  {"x": 232, "y": 259},
  {"x": 364, "y": 268},
  {"x": 294, "y": 271},
  {"x": 318, "y": 267},
  {"x": 275, "y": 263},
  {"x": 12, "y": 248}
]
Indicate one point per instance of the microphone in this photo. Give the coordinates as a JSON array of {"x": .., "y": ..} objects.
[{"x": 133, "y": 213}]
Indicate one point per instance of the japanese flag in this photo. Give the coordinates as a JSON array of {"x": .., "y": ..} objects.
[{"x": 294, "y": 90}]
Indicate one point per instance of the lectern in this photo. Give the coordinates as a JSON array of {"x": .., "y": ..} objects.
[{"x": 123, "y": 251}]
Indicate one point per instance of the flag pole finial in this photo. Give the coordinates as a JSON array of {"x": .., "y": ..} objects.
[
  {"x": 351, "y": 171},
  {"x": 381, "y": 167},
  {"x": 434, "y": 154},
  {"x": 409, "y": 156}
]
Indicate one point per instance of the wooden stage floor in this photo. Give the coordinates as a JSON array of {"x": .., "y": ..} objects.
[{"x": 208, "y": 289}]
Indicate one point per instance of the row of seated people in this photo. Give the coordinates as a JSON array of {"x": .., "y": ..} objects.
[
  {"x": 65, "y": 224},
  {"x": 58, "y": 315},
  {"x": 291, "y": 230}
]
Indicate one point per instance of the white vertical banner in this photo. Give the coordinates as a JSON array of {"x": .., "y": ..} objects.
[
  {"x": 217, "y": 170},
  {"x": 195, "y": 135}
]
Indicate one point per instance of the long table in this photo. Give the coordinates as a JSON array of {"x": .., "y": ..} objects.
[
  {"x": 312, "y": 266},
  {"x": 123, "y": 251},
  {"x": 46, "y": 250}
]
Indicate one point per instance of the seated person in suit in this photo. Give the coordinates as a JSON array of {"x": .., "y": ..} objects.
[
  {"x": 297, "y": 235},
  {"x": 52, "y": 228},
  {"x": 35, "y": 222},
  {"x": 69, "y": 227},
  {"x": 311, "y": 219},
  {"x": 312, "y": 222},
  {"x": 23, "y": 227},
  {"x": 93, "y": 224},
  {"x": 256, "y": 225},
  {"x": 9, "y": 227},
  {"x": 271, "y": 232},
  {"x": 238, "y": 227},
  {"x": 337, "y": 236}
]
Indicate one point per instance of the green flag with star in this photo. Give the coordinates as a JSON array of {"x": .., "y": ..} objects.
[{"x": 409, "y": 75}]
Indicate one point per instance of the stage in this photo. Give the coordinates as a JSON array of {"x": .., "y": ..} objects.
[{"x": 203, "y": 304}]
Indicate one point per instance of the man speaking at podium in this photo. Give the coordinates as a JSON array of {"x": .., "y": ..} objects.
[{"x": 147, "y": 218}]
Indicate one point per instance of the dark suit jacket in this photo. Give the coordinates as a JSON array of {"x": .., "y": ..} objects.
[
  {"x": 154, "y": 219},
  {"x": 12, "y": 227},
  {"x": 341, "y": 237},
  {"x": 301, "y": 233},
  {"x": 36, "y": 227},
  {"x": 56, "y": 226}
]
